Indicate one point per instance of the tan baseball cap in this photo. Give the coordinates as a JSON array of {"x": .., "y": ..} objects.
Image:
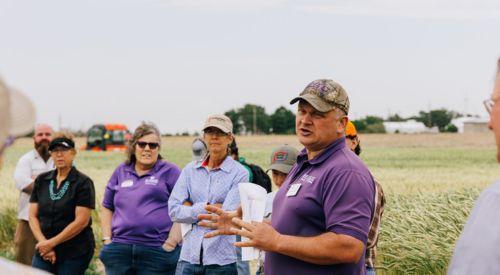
[
  {"x": 221, "y": 122},
  {"x": 17, "y": 113},
  {"x": 283, "y": 158},
  {"x": 325, "y": 95}
]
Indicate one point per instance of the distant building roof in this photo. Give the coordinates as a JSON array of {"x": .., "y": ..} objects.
[{"x": 408, "y": 127}]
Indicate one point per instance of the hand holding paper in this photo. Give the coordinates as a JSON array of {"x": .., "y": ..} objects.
[{"x": 253, "y": 204}]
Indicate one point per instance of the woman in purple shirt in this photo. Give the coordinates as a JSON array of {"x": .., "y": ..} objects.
[{"x": 134, "y": 218}]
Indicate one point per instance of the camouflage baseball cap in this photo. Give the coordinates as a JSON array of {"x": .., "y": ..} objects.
[{"x": 325, "y": 95}]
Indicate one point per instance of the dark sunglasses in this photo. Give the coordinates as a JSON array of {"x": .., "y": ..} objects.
[{"x": 152, "y": 145}]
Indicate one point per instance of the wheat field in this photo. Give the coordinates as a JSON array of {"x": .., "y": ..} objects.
[{"x": 430, "y": 182}]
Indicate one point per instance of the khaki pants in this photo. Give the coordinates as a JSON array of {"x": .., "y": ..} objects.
[{"x": 24, "y": 242}]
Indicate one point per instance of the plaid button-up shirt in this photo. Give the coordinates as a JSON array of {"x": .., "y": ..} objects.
[{"x": 371, "y": 243}]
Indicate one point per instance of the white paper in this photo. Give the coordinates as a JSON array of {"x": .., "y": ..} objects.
[{"x": 253, "y": 204}]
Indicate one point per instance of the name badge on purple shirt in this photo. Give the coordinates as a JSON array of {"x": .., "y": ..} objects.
[
  {"x": 293, "y": 190},
  {"x": 127, "y": 183}
]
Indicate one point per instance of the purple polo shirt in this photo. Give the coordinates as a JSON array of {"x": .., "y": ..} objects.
[
  {"x": 140, "y": 204},
  {"x": 336, "y": 195}
]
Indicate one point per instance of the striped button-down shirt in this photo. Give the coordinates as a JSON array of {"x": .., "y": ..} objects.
[{"x": 200, "y": 186}]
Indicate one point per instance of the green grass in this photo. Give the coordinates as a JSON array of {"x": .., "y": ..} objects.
[{"x": 430, "y": 183}]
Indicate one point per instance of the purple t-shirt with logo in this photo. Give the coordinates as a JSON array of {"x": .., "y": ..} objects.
[
  {"x": 140, "y": 204},
  {"x": 333, "y": 192}
]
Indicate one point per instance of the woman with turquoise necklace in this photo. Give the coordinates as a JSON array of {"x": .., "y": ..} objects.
[{"x": 59, "y": 215}]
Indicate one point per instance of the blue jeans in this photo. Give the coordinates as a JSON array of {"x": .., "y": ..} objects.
[
  {"x": 185, "y": 268},
  {"x": 370, "y": 271},
  {"x": 76, "y": 266},
  {"x": 131, "y": 259}
]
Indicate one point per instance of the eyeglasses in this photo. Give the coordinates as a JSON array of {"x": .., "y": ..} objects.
[
  {"x": 214, "y": 132},
  {"x": 152, "y": 145},
  {"x": 488, "y": 104}
]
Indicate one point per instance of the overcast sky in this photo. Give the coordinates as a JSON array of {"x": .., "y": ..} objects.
[{"x": 174, "y": 62}]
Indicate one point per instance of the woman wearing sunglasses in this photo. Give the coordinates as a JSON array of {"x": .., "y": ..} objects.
[{"x": 134, "y": 217}]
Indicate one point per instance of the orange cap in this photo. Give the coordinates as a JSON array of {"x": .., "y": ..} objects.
[{"x": 350, "y": 129}]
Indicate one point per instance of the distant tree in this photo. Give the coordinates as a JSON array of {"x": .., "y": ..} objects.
[
  {"x": 451, "y": 128},
  {"x": 373, "y": 120},
  {"x": 440, "y": 118},
  {"x": 370, "y": 124},
  {"x": 360, "y": 125},
  {"x": 283, "y": 121},
  {"x": 395, "y": 118},
  {"x": 235, "y": 118},
  {"x": 243, "y": 118}
]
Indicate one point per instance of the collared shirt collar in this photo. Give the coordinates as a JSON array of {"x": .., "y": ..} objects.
[
  {"x": 71, "y": 176},
  {"x": 330, "y": 149},
  {"x": 224, "y": 166},
  {"x": 131, "y": 168}
]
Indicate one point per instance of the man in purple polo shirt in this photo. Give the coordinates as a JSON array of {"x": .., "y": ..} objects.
[{"x": 322, "y": 213}]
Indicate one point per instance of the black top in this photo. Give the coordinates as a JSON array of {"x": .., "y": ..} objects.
[{"x": 55, "y": 215}]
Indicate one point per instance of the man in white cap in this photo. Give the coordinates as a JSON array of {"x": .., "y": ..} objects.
[
  {"x": 17, "y": 117},
  {"x": 29, "y": 166}
]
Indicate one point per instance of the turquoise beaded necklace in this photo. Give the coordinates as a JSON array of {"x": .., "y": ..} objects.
[{"x": 57, "y": 196}]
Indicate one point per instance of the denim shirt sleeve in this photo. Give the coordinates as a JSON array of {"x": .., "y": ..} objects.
[{"x": 179, "y": 212}]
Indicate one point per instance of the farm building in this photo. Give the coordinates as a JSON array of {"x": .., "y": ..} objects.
[
  {"x": 471, "y": 124},
  {"x": 408, "y": 127}
]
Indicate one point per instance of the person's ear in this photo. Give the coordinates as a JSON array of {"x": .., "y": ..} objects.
[{"x": 342, "y": 124}]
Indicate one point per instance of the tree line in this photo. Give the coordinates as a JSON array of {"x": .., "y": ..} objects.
[
  {"x": 440, "y": 118},
  {"x": 253, "y": 119}
]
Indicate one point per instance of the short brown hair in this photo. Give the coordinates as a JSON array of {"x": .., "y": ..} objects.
[{"x": 146, "y": 128}]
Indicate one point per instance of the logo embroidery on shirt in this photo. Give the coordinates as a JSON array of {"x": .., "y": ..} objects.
[
  {"x": 152, "y": 180},
  {"x": 307, "y": 178}
]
